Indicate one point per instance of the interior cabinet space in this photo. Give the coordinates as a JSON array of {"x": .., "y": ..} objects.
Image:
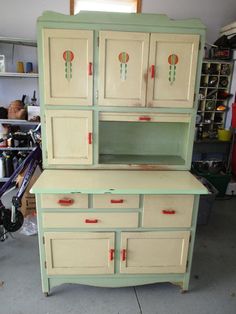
[
  {"x": 71, "y": 253},
  {"x": 154, "y": 252},
  {"x": 144, "y": 139},
  {"x": 126, "y": 74},
  {"x": 69, "y": 135},
  {"x": 68, "y": 68},
  {"x": 214, "y": 97}
]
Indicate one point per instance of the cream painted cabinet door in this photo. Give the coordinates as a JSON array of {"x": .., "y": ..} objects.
[
  {"x": 68, "y": 66},
  {"x": 172, "y": 70},
  {"x": 154, "y": 252},
  {"x": 69, "y": 137},
  {"x": 71, "y": 253},
  {"x": 123, "y": 60}
]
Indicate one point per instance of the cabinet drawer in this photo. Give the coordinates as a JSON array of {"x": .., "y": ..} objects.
[
  {"x": 64, "y": 201},
  {"x": 167, "y": 211},
  {"x": 90, "y": 220},
  {"x": 116, "y": 201}
]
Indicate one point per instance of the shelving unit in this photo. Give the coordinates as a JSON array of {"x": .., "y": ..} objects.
[
  {"x": 24, "y": 125},
  {"x": 214, "y": 95}
]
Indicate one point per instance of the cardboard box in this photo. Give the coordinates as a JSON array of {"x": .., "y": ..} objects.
[{"x": 28, "y": 202}]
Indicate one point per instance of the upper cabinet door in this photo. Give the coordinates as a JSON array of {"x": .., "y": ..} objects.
[
  {"x": 68, "y": 64},
  {"x": 69, "y": 137},
  {"x": 172, "y": 70},
  {"x": 123, "y": 60}
]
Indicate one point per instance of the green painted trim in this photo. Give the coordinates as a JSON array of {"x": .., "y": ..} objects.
[
  {"x": 120, "y": 19},
  {"x": 114, "y": 281}
]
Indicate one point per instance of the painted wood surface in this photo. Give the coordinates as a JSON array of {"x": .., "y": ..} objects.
[
  {"x": 69, "y": 253},
  {"x": 69, "y": 137},
  {"x": 154, "y": 252},
  {"x": 118, "y": 182},
  {"x": 68, "y": 58},
  {"x": 167, "y": 211}
]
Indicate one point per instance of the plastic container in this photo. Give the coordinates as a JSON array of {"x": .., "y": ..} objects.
[
  {"x": 206, "y": 203},
  {"x": 224, "y": 134},
  {"x": 234, "y": 115}
]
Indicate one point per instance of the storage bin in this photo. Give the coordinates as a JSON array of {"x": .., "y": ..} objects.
[
  {"x": 206, "y": 203},
  {"x": 224, "y": 134}
]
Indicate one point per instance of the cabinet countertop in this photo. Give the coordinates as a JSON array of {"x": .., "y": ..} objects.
[{"x": 118, "y": 182}]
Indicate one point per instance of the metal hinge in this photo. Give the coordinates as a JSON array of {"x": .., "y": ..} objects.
[
  {"x": 190, "y": 238},
  {"x": 45, "y": 264},
  {"x": 46, "y": 153},
  {"x": 200, "y": 45},
  {"x": 98, "y": 41},
  {"x": 43, "y": 240},
  {"x": 187, "y": 265},
  {"x": 194, "y": 97},
  {"x": 97, "y": 94}
]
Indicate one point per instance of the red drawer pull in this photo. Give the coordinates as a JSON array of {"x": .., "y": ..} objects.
[
  {"x": 66, "y": 201},
  {"x": 90, "y": 68},
  {"x": 117, "y": 201},
  {"x": 90, "y": 137},
  {"x": 144, "y": 118},
  {"x": 111, "y": 254},
  {"x": 91, "y": 221},
  {"x": 123, "y": 255},
  {"x": 152, "y": 71},
  {"x": 168, "y": 212}
]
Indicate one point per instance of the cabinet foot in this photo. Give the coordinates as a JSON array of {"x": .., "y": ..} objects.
[
  {"x": 46, "y": 294},
  {"x": 183, "y": 291}
]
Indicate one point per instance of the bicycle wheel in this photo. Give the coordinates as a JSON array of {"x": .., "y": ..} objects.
[{"x": 8, "y": 224}]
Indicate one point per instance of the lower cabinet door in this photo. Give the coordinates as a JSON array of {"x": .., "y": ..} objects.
[
  {"x": 154, "y": 252},
  {"x": 71, "y": 253}
]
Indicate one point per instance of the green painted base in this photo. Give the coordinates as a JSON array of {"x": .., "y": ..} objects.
[{"x": 114, "y": 281}]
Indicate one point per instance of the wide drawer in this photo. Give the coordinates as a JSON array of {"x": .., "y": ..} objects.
[
  {"x": 90, "y": 220},
  {"x": 64, "y": 200},
  {"x": 167, "y": 211},
  {"x": 115, "y": 201}
]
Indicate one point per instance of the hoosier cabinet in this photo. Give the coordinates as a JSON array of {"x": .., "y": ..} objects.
[{"x": 116, "y": 203}]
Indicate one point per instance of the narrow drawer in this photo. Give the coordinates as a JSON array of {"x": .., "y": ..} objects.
[
  {"x": 90, "y": 220},
  {"x": 64, "y": 200},
  {"x": 115, "y": 201},
  {"x": 167, "y": 211}
]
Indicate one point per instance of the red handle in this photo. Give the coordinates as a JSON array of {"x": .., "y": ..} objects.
[
  {"x": 90, "y": 68},
  {"x": 123, "y": 255},
  {"x": 66, "y": 201},
  {"x": 144, "y": 118},
  {"x": 168, "y": 212},
  {"x": 152, "y": 71},
  {"x": 111, "y": 254},
  {"x": 91, "y": 221},
  {"x": 90, "y": 137},
  {"x": 117, "y": 201}
]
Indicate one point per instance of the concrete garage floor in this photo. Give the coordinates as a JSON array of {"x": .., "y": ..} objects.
[{"x": 212, "y": 286}]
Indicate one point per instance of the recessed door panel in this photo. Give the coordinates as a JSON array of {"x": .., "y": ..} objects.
[
  {"x": 154, "y": 252},
  {"x": 69, "y": 137},
  {"x": 123, "y": 58},
  {"x": 71, "y": 253},
  {"x": 68, "y": 58},
  {"x": 172, "y": 70}
]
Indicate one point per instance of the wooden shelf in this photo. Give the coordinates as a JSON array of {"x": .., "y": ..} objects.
[
  {"x": 17, "y": 122},
  {"x": 19, "y": 75},
  {"x": 141, "y": 159},
  {"x": 18, "y": 41},
  {"x": 16, "y": 148}
]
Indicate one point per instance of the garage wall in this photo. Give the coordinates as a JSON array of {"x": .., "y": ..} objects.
[{"x": 18, "y": 18}]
